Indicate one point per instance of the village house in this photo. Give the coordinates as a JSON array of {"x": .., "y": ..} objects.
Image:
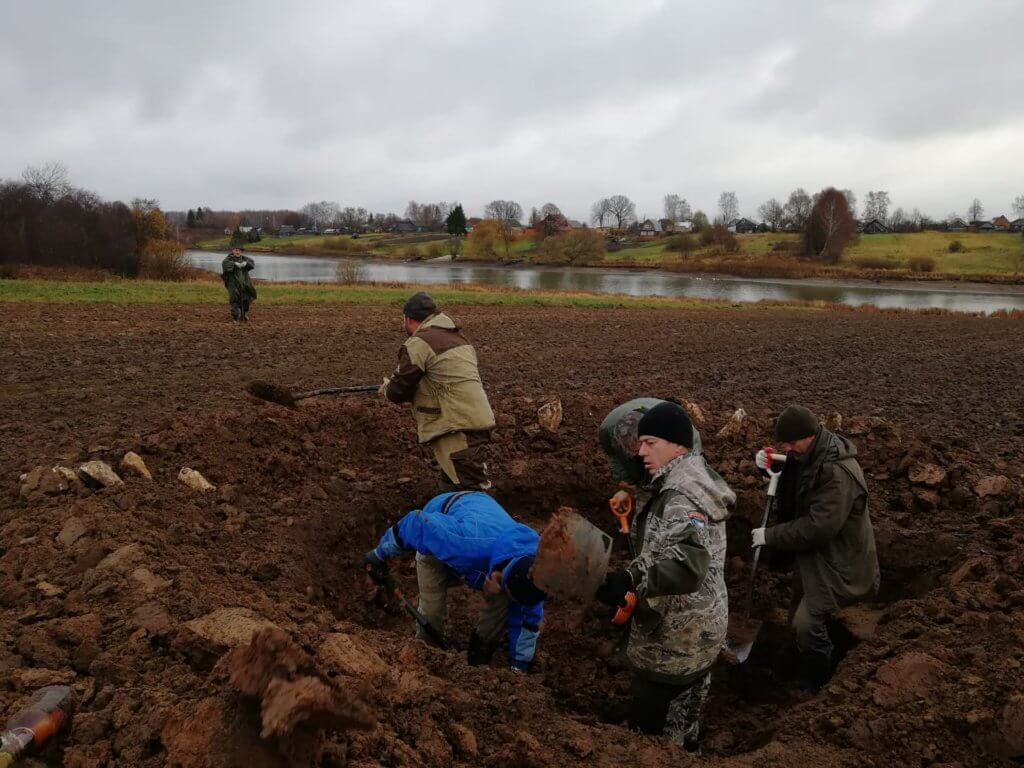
[
  {"x": 650, "y": 228},
  {"x": 286, "y": 230},
  {"x": 875, "y": 227},
  {"x": 982, "y": 226},
  {"x": 1017, "y": 225},
  {"x": 1001, "y": 224},
  {"x": 956, "y": 225},
  {"x": 742, "y": 226}
]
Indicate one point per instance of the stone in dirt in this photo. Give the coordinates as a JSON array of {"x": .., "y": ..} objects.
[
  {"x": 49, "y": 590},
  {"x": 927, "y": 474},
  {"x": 73, "y": 530},
  {"x": 228, "y": 627},
  {"x": 549, "y": 415},
  {"x": 463, "y": 739},
  {"x": 121, "y": 559},
  {"x": 834, "y": 422},
  {"x": 148, "y": 582},
  {"x": 734, "y": 425},
  {"x": 42, "y": 481},
  {"x": 994, "y": 485},
  {"x": 347, "y": 655},
  {"x": 133, "y": 464},
  {"x": 153, "y": 618},
  {"x": 195, "y": 481},
  {"x": 98, "y": 474}
]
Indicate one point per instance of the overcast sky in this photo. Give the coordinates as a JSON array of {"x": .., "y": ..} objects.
[{"x": 271, "y": 104}]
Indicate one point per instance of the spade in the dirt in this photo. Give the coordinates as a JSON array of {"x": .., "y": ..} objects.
[
  {"x": 572, "y": 557},
  {"x": 743, "y": 630},
  {"x": 274, "y": 393}
]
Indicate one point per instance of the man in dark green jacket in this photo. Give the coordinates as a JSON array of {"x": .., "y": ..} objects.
[
  {"x": 235, "y": 271},
  {"x": 828, "y": 529},
  {"x": 680, "y": 621}
]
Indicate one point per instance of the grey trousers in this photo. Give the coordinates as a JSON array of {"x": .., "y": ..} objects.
[{"x": 434, "y": 578}]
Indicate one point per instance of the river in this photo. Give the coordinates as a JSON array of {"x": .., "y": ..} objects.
[{"x": 633, "y": 282}]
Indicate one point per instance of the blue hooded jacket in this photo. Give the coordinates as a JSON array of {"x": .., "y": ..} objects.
[{"x": 473, "y": 537}]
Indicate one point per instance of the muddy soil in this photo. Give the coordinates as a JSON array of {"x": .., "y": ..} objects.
[{"x": 145, "y": 595}]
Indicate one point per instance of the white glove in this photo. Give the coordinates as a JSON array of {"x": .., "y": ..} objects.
[
  {"x": 762, "y": 459},
  {"x": 757, "y": 537},
  {"x": 384, "y": 387}
]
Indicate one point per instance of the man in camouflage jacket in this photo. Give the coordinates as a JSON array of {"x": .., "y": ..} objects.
[
  {"x": 438, "y": 373},
  {"x": 680, "y": 622},
  {"x": 235, "y": 271}
]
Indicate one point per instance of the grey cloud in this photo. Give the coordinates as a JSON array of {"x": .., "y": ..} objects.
[{"x": 373, "y": 103}]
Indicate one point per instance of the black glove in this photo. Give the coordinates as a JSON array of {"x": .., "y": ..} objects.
[
  {"x": 613, "y": 591},
  {"x": 375, "y": 566}
]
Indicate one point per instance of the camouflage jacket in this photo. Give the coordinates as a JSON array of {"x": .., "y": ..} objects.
[{"x": 680, "y": 623}]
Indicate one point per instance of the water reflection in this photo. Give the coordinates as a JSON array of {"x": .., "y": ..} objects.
[{"x": 631, "y": 283}]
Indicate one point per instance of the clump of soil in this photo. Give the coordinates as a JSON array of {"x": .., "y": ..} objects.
[{"x": 272, "y": 393}]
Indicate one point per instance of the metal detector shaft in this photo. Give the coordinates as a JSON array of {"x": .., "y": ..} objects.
[{"x": 360, "y": 389}]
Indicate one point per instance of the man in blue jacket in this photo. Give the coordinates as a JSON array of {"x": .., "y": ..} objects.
[{"x": 468, "y": 538}]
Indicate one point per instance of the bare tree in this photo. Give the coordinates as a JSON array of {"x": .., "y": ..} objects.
[
  {"x": 877, "y": 206},
  {"x": 622, "y": 208},
  {"x": 975, "y": 211},
  {"x": 48, "y": 181},
  {"x": 353, "y": 218},
  {"x": 1018, "y": 206},
  {"x": 676, "y": 208},
  {"x": 322, "y": 213},
  {"x": 507, "y": 213},
  {"x": 898, "y": 221},
  {"x": 600, "y": 211},
  {"x": 549, "y": 209},
  {"x": 797, "y": 209},
  {"x": 728, "y": 208},
  {"x": 773, "y": 213}
]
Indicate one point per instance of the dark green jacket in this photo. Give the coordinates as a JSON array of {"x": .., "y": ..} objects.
[
  {"x": 235, "y": 275},
  {"x": 830, "y": 531}
]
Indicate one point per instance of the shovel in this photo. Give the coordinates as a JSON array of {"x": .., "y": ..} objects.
[
  {"x": 743, "y": 630},
  {"x": 572, "y": 557},
  {"x": 272, "y": 393}
]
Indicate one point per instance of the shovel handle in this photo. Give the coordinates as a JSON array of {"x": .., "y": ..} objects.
[
  {"x": 624, "y": 612},
  {"x": 622, "y": 511}
]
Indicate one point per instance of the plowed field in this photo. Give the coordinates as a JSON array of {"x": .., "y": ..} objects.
[{"x": 137, "y": 593}]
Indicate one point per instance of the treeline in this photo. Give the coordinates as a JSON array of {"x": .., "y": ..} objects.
[{"x": 45, "y": 221}]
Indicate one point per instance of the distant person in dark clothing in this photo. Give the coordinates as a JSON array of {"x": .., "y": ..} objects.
[{"x": 235, "y": 271}]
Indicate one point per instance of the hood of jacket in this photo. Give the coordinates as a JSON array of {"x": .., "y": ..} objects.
[
  {"x": 691, "y": 477},
  {"x": 438, "y": 320}
]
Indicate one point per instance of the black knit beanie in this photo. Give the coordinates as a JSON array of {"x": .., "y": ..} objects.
[
  {"x": 795, "y": 423},
  {"x": 668, "y": 421},
  {"x": 520, "y": 585},
  {"x": 419, "y": 307}
]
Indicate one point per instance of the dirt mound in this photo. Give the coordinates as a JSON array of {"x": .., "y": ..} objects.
[{"x": 147, "y": 595}]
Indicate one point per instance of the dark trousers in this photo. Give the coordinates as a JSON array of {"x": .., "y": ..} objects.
[
  {"x": 672, "y": 710},
  {"x": 812, "y": 638},
  {"x": 462, "y": 459},
  {"x": 240, "y": 311}
]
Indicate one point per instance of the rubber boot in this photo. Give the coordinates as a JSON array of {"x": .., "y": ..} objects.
[
  {"x": 815, "y": 671},
  {"x": 480, "y": 651}
]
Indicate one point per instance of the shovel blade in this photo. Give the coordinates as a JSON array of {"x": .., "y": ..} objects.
[
  {"x": 742, "y": 634},
  {"x": 572, "y": 557}
]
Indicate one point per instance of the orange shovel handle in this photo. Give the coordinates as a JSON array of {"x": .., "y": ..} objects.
[
  {"x": 622, "y": 511},
  {"x": 623, "y": 612}
]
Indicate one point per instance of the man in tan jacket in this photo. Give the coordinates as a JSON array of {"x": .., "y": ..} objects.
[{"x": 437, "y": 372}]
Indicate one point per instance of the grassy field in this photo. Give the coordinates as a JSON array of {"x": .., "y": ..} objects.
[
  {"x": 982, "y": 254},
  {"x": 278, "y": 294}
]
